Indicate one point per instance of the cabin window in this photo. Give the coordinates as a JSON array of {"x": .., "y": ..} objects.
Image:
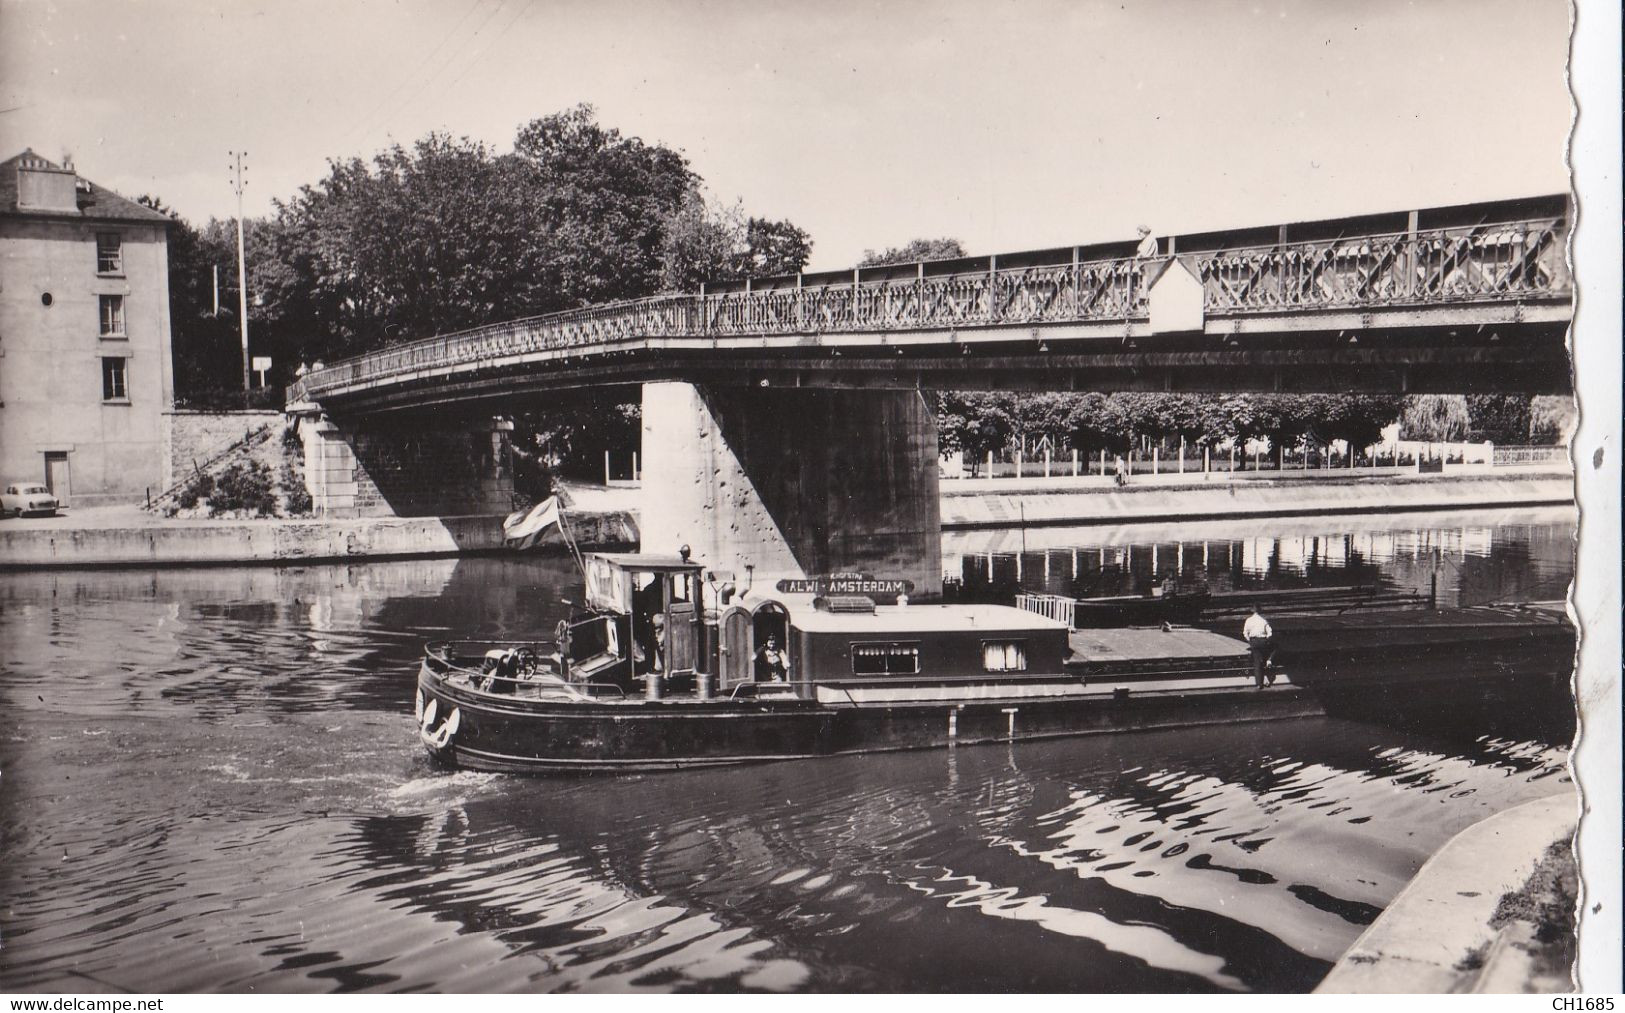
[
  {"x": 1004, "y": 655},
  {"x": 885, "y": 659}
]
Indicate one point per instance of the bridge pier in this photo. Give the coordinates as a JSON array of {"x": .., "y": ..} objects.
[
  {"x": 407, "y": 467},
  {"x": 797, "y": 482}
]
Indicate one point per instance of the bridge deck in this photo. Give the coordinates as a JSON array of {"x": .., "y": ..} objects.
[{"x": 1474, "y": 274}]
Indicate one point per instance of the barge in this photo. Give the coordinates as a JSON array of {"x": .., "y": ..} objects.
[{"x": 667, "y": 666}]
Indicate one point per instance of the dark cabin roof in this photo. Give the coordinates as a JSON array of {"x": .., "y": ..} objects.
[{"x": 99, "y": 204}]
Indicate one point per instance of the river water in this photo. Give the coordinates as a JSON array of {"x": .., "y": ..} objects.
[{"x": 210, "y": 780}]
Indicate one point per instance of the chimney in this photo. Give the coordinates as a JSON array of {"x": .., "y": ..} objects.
[{"x": 42, "y": 186}]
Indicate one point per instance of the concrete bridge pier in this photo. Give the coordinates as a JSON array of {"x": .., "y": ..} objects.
[
  {"x": 407, "y": 467},
  {"x": 797, "y": 482}
]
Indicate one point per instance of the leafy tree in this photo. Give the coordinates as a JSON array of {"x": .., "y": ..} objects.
[
  {"x": 1435, "y": 418},
  {"x": 1499, "y": 418},
  {"x": 914, "y": 250},
  {"x": 706, "y": 242},
  {"x": 1093, "y": 422},
  {"x": 975, "y": 423},
  {"x": 1551, "y": 417},
  {"x": 703, "y": 242},
  {"x": 1358, "y": 419},
  {"x": 570, "y": 439},
  {"x": 1040, "y": 417},
  {"x": 427, "y": 240},
  {"x": 448, "y": 234},
  {"x": 775, "y": 248},
  {"x": 205, "y": 348}
]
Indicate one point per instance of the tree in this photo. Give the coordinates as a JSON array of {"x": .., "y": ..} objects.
[
  {"x": 975, "y": 423},
  {"x": 1499, "y": 418},
  {"x": 1551, "y": 418},
  {"x": 1357, "y": 419},
  {"x": 703, "y": 242},
  {"x": 1434, "y": 418},
  {"x": 1040, "y": 417},
  {"x": 914, "y": 250},
  {"x": 775, "y": 248},
  {"x": 448, "y": 234}
]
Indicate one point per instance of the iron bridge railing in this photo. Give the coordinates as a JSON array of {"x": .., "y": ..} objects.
[{"x": 1505, "y": 262}]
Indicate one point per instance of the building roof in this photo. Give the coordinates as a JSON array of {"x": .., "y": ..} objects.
[{"x": 100, "y": 203}]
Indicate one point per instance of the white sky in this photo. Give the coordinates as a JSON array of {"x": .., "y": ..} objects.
[{"x": 1010, "y": 125}]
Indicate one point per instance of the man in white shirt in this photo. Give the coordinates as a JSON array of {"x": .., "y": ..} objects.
[{"x": 1261, "y": 642}]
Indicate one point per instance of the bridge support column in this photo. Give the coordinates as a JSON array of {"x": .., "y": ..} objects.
[
  {"x": 407, "y": 468},
  {"x": 797, "y": 482}
]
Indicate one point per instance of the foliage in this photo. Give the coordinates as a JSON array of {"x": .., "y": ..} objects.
[
  {"x": 244, "y": 485},
  {"x": 708, "y": 242},
  {"x": 446, "y": 234},
  {"x": 199, "y": 487},
  {"x": 205, "y": 346},
  {"x": 1499, "y": 418},
  {"x": 978, "y": 423},
  {"x": 1356, "y": 418},
  {"x": 1435, "y": 418},
  {"x": 975, "y": 423},
  {"x": 1551, "y": 417},
  {"x": 914, "y": 250},
  {"x": 295, "y": 497},
  {"x": 571, "y": 439}
]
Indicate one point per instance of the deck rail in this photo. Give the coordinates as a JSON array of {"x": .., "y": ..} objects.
[
  {"x": 1050, "y": 606},
  {"x": 1510, "y": 261}
]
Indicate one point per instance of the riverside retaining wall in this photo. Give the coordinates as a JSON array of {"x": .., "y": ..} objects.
[
  {"x": 194, "y": 438},
  {"x": 1104, "y": 503},
  {"x": 184, "y": 543},
  {"x": 1424, "y": 939}
]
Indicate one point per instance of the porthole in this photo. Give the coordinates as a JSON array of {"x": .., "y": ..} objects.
[{"x": 46, "y": 299}]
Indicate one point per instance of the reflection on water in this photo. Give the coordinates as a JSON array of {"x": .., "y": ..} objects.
[
  {"x": 211, "y": 781},
  {"x": 1472, "y": 557}
]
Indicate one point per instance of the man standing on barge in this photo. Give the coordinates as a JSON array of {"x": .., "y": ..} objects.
[{"x": 1261, "y": 642}]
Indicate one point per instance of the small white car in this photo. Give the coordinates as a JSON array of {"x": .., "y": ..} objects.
[{"x": 27, "y": 498}]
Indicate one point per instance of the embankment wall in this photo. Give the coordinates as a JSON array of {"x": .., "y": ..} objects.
[
  {"x": 1109, "y": 504},
  {"x": 198, "y": 436},
  {"x": 183, "y": 543}
]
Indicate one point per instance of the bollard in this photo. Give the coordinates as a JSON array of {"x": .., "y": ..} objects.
[
  {"x": 652, "y": 690},
  {"x": 702, "y": 685}
]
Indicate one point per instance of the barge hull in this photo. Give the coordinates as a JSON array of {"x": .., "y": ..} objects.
[{"x": 543, "y": 737}]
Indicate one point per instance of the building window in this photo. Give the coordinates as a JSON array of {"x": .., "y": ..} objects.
[
  {"x": 1004, "y": 655},
  {"x": 112, "y": 316},
  {"x": 115, "y": 385},
  {"x": 109, "y": 253},
  {"x": 885, "y": 659}
]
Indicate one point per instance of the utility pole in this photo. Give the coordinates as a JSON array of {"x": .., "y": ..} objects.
[{"x": 242, "y": 271}]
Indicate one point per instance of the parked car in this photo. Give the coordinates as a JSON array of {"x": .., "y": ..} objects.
[{"x": 27, "y": 498}]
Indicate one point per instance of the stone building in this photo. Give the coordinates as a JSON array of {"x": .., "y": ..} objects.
[{"x": 85, "y": 370}]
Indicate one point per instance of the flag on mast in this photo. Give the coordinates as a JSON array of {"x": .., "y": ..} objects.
[{"x": 524, "y": 528}]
